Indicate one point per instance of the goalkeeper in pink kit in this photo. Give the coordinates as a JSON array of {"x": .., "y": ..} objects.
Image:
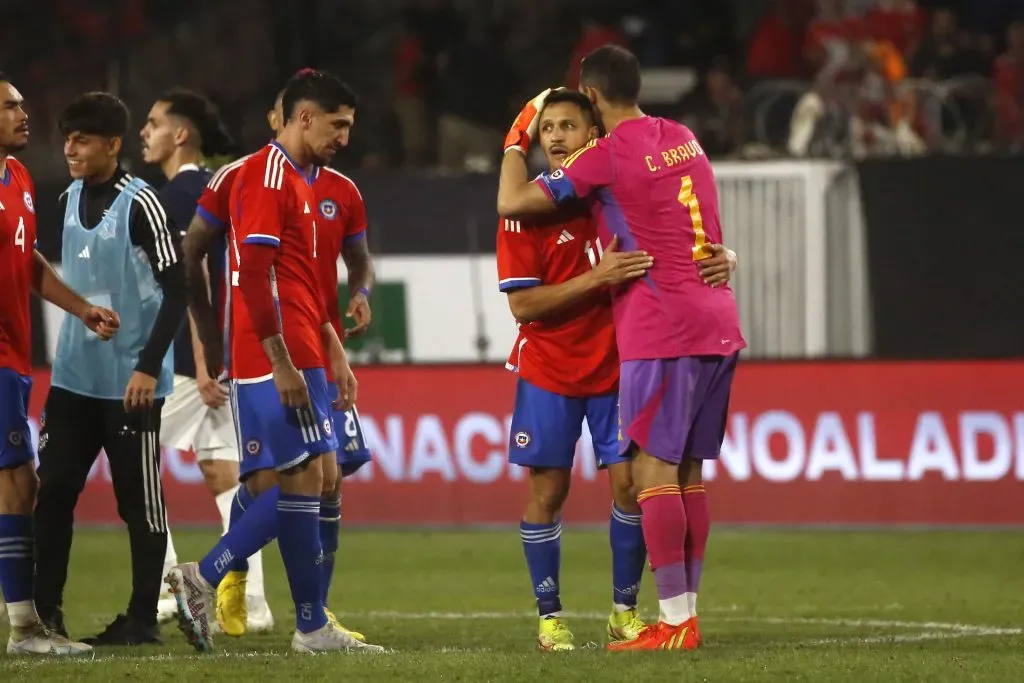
[{"x": 652, "y": 187}]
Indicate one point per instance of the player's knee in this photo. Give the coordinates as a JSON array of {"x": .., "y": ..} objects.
[
  {"x": 330, "y": 486},
  {"x": 550, "y": 497},
  {"x": 220, "y": 475},
  {"x": 624, "y": 493},
  {"x": 691, "y": 472},
  {"x": 18, "y": 488},
  {"x": 261, "y": 482}
]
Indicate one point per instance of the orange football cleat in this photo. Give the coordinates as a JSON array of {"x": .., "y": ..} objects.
[{"x": 662, "y": 636}]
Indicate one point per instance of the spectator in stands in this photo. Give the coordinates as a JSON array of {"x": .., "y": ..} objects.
[
  {"x": 944, "y": 53},
  {"x": 715, "y": 113},
  {"x": 1009, "y": 80},
  {"x": 476, "y": 91},
  {"x": 900, "y": 22},
  {"x": 411, "y": 82},
  {"x": 831, "y": 44},
  {"x": 775, "y": 47},
  {"x": 599, "y": 29}
]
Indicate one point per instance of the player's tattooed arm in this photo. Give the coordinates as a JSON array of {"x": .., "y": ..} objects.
[
  {"x": 49, "y": 285},
  {"x": 356, "y": 254},
  {"x": 198, "y": 242},
  {"x": 517, "y": 196}
]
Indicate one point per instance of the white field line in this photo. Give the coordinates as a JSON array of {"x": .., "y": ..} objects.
[{"x": 927, "y": 630}]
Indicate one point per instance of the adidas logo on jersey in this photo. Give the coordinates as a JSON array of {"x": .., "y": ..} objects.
[
  {"x": 84, "y": 253},
  {"x": 306, "y": 210},
  {"x": 565, "y": 237},
  {"x": 513, "y": 226},
  {"x": 548, "y": 585}
]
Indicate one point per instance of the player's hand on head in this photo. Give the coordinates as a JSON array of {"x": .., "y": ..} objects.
[
  {"x": 213, "y": 393},
  {"x": 617, "y": 267},
  {"x": 103, "y": 321},
  {"x": 717, "y": 269},
  {"x": 359, "y": 312},
  {"x": 291, "y": 385},
  {"x": 524, "y": 128},
  {"x": 140, "y": 393}
]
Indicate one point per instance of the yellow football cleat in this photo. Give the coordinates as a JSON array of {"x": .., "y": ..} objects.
[
  {"x": 231, "y": 609},
  {"x": 334, "y": 622},
  {"x": 624, "y": 625},
  {"x": 554, "y": 636}
]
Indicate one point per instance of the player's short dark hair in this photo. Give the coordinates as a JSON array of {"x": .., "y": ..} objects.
[
  {"x": 614, "y": 72},
  {"x": 325, "y": 89},
  {"x": 95, "y": 113},
  {"x": 214, "y": 140},
  {"x": 574, "y": 97}
]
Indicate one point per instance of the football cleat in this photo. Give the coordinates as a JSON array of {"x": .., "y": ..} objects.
[
  {"x": 554, "y": 635},
  {"x": 330, "y": 639},
  {"x": 661, "y": 636},
  {"x": 38, "y": 640},
  {"x": 258, "y": 617},
  {"x": 231, "y": 606},
  {"x": 334, "y": 620},
  {"x": 624, "y": 625},
  {"x": 197, "y": 605}
]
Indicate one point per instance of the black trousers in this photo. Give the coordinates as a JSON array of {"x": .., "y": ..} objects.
[{"x": 74, "y": 429}]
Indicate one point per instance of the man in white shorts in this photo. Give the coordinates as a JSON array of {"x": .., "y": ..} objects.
[{"x": 182, "y": 128}]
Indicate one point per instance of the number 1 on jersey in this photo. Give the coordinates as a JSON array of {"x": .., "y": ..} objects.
[{"x": 688, "y": 199}]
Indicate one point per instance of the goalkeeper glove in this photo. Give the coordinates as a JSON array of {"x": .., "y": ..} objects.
[{"x": 524, "y": 128}]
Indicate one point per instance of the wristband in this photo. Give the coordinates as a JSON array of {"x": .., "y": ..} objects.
[{"x": 364, "y": 291}]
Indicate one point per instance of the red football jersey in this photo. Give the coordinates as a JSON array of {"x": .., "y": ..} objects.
[
  {"x": 215, "y": 208},
  {"x": 341, "y": 218},
  {"x": 272, "y": 204},
  {"x": 17, "y": 244},
  {"x": 572, "y": 353}
]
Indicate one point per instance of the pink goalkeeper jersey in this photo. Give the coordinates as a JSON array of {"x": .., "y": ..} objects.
[{"x": 656, "y": 191}]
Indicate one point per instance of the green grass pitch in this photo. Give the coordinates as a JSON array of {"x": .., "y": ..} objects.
[{"x": 456, "y": 606}]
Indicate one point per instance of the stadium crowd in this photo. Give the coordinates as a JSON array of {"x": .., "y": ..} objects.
[{"x": 441, "y": 78}]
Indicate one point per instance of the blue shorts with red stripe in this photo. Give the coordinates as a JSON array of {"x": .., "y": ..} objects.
[
  {"x": 15, "y": 439},
  {"x": 272, "y": 435}
]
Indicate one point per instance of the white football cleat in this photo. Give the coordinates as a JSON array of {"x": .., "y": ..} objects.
[
  {"x": 258, "y": 617},
  {"x": 37, "y": 640},
  {"x": 330, "y": 639},
  {"x": 197, "y": 605}
]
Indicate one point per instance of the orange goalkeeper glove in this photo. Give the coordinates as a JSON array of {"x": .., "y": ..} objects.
[{"x": 524, "y": 128}]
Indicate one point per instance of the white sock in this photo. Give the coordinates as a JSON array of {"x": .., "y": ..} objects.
[
  {"x": 170, "y": 556},
  {"x": 22, "y": 614},
  {"x": 224, "y": 501},
  {"x": 623, "y": 608},
  {"x": 691, "y": 602},
  {"x": 254, "y": 581},
  {"x": 675, "y": 611}
]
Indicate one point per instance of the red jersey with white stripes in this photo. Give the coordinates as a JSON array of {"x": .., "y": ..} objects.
[
  {"x": 214, "y": 207},
  {"x": 571, "y": 353},
  {"x": 341, "y": 219},
  {"x": 17, "y": 246},
  {"x": 273, "y": 204}
]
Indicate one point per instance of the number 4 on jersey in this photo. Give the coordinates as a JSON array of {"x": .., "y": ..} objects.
[{"x": 19, "y": 234}]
